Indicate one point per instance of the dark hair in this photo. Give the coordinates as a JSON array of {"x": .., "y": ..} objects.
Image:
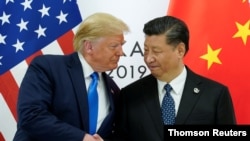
[{"x": 176, "y": 30}]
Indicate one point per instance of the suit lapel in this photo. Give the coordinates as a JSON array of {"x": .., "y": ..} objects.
[
  {"x": 77, "y": 78},
  {"x": 190, "y": 96},
  {"x": 151, "y": 101},
  {"x": 110, "y": 115}
]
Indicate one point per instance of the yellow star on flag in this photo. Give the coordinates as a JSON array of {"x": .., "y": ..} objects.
[
  {"x": 211, "y": 56},
  {"x": 243, "y": 31}
]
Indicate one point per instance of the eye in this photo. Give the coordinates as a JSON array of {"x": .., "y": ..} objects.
[
  {"x": 115, "y": 45},
  {"x": 156, "y": 52}
]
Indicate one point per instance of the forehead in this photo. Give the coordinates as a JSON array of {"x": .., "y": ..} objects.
[
  {"x": 155, "y": 40},
  {"x": 111, "y": 39}
]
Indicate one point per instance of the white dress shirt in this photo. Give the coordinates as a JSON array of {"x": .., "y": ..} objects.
[
  {"x": 103, "y": 105},
  {"x": 177, "y": 85}
]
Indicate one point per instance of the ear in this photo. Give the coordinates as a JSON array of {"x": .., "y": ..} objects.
[
  {"x": 181, "y": 49},
  {"x": 88, "y": 46}
]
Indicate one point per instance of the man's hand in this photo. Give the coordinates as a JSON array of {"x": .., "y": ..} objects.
[{"x": 95, "y": 137}]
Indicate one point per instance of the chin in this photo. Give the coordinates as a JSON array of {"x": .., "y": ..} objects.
[
  {"x": 155, "y": 74},
  {"x": 114, "y": 66}
]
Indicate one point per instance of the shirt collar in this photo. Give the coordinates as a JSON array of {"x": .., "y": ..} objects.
[
  {"x": 87, "y": 69},
  {"x": 177, "y": 84}
]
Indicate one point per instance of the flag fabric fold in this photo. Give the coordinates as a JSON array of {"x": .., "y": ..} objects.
[
  {"x": 26, "y": 28},
  {"x": 220, "y": 45}
]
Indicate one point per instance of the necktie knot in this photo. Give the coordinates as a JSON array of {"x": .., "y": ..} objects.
[
  {"x": 168, "y": 88},
  {"x": 94, "y": 76}
]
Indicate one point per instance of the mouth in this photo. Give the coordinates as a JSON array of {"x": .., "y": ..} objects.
[
  {"x": 115, "y": 61},
  {"x": 152, "y": 67}
]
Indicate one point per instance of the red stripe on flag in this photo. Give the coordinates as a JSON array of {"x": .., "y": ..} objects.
[
  {"x": 9, "y": 87},
  {"x": 30, "y": 58},
  {"x": 9, "y": 90},
  {"x": 66, "y": 42},
  {"x": 1, "y": 137}
]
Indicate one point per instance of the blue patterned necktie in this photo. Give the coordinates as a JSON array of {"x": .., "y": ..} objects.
[
  {"x": 168, "y": 107},
  {"x": 93, "y": 103}
]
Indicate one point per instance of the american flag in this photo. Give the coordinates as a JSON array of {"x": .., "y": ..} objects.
[{"x": 27, "y": 27}]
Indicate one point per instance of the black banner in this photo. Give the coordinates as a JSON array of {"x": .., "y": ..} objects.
[{"x": 206, "y": 131}]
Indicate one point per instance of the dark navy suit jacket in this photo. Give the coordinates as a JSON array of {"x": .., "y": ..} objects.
[
  {"x": 52, "y": 102},
  {"x": 141, "y": 120}
]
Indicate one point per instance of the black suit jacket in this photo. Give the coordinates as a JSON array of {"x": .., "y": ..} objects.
[
  {"x": 140, "y": 118},
  {"x": 52, "y": 102}
]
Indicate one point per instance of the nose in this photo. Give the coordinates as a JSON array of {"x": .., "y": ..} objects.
[
  {"x": 120, "y": 51},
  {"x": 148, "y": 58}
]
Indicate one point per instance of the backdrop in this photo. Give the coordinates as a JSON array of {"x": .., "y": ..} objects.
[{"x": 219, "y": 44}]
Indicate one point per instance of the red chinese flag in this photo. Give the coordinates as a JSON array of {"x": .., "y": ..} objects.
[{"x": 220, "y": 45}]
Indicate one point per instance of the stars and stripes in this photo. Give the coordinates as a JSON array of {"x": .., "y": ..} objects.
[{"x": 27, "y": 26}]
